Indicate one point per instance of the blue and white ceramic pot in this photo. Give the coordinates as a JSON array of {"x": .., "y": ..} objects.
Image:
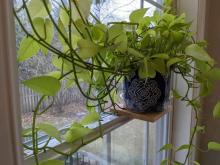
[{"x": 146, "y": 95}]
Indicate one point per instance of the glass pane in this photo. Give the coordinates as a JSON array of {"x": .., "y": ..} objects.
[
  {"x": 135, "y": 143},
  {"x": 115, "y": 10},
  {"x": 122, "y": 146}
]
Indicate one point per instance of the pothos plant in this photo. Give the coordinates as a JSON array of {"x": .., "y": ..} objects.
[{"x": 100, "y": 55}]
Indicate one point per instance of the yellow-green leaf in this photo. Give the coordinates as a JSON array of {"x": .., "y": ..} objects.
[
  {"x": 55, "y": 74},
  {"x": 196, "y": 163},
  {"x": 146, "y": 70},
  {"x": 36, "y": 8},
  {"x": 115, "y": 31},
  {"x": 159, "y": 65},
  {"x": 183, "y": 147},
  {"x": 84, "y": 7},
  {"x": 93, "y": 116},
  {"x": 27, "y": 132},
  {"x": 164, "y": 162},
  {"x": 166, "y": 147},
  {"x": 216, "y": 111},
  {"x": 198, "y": 53},
  {"x": 45, "y": 85},
  {"x": 77, "y": 131},
  {"x": 214, "y": 146},
  {"x": 50, "y": 130},
  {"x": 176, "y": 94},
  {"x": 161, "y": 56},
  {"x": 135, "y": 53},
  {"x": 44, "y": 28},
  {"x": 137, "y": 15},
  {"x": 87, "y": 48},
  {"x": 173, "y": 61},
  {"x": 27, "y": 49}
]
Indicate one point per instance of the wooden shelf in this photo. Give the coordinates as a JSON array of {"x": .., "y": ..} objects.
[{"x": 149, "y": 116}]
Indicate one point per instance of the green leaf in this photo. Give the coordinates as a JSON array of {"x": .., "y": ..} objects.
[
  {"x": 216, "y": 111},
  {"x": 146, "y": 70},
  {"x": 177, "y": 163},
  {"x": 62, "y": 64},
  {"x": 199, "y": 129},
  {"x": 44, "y": 28},
  {"x": 122, "y": 42},
  {"x": 27, "y": 132},
  {"x": 77, "y": 131},
  {"x": 45, "y": 85},
  {"x": 168, "y": 18},
  {"x": 161, "y": 56},
  {"x": 214, "y": 74},
  {"x": 196, "y": 163},
  {"x": 84, "y": 7},
  {"x": 159, "y": 65},
  {"x": 183, "y": 147},
  {"x": 87, "y": 48},
  {"x": 92, "y": 117},
  {"x": 173, "y": 61},
  {"x": 198, "y": 53},
  {"x": 176, "y": 94},
  {"x": 166, "y": 147},
  {"x": 64, "y": 17},
  {"x": 206, "y": 88},
  {"x": 52, "y": 162},
  {"x": 98, "y": 32},
  {"x": 214, "y": 146},
  {"x": 135, "y": 53},
  {"x": 55, "y": 74},
  {"x": 115, "y": 31},
  {"x": 27, "y": 49},
  {"x": 62, "y": 41},
  {"x": 36, "y": 8},
  {"x": 167, "y": 2},
  {"x": 164, "y": 162},
  {"x": 137, "y": 15},
  {"x": 49, "y": 130},
  {"x": 151, "y": 33}
]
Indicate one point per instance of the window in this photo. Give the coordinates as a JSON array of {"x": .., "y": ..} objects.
[{"x": 69, "y": 104}]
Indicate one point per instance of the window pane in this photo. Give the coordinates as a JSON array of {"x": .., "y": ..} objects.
[{"x": 135, "y": 143}]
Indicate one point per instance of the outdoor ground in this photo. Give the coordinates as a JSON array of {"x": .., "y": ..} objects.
[{"x": 70, "y": 113}]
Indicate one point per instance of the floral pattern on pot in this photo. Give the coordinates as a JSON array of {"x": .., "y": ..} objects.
[{"x": 145, "y": 95}]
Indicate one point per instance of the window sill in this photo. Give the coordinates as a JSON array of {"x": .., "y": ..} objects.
[{"x": 109, "y": 123}]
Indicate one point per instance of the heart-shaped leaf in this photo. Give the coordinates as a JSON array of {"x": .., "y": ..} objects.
[
  {"x": 198, "y": 53},
  {"x": 87, "y": 48},
  {"x": 45, "y": 85},
  {"x": 93, "y": 116},
  {"x": 137, "y": 15},
  {"x": 76, "y": 131},
  {"x": 36, "y": 8},
  {"x": 27, "y": 49},
  {"x": 49, "y": 130}
]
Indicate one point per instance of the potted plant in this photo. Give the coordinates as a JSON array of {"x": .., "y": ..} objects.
[{"x": 144, "y": 51}]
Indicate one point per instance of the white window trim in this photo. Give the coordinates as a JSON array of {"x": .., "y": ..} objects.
[
  {"x": 183, "y": 117},
  {"x": 10, "y": 124}
]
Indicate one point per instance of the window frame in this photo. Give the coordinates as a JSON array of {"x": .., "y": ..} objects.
[
  {"x": 10, "y": 111},
  {"x": 10, "y": 122}
]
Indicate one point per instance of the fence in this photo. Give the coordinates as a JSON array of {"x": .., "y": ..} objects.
[{"x": 29, "y": 99}]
